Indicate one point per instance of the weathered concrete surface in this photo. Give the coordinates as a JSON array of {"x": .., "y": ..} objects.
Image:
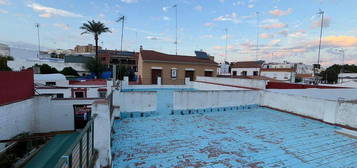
[{"x": 251, "y": 138}]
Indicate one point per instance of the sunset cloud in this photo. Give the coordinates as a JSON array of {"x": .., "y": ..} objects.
[
  {"x": 277, "y": 12},
  {"x": 273, "y": 24},
  {"x": 266, "y": 36},
  {"x": 48, "y": 12}
]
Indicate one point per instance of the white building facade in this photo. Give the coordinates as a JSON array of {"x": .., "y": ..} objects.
[
  {"x": 4, "y": 50},
  {"x": 247, "y": 68}
]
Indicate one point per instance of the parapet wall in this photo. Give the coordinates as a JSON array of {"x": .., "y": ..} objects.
[
  {"x": 334, "y": 112},
  {"x": 248, "y": 83}
]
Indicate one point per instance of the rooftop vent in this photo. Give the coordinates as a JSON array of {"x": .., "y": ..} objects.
[{"x": 201, "y": 54}]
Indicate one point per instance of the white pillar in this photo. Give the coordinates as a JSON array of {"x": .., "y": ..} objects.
[
  {"x": 158, "y": 80},
  {"x": 125, "y": 82},
  {"x": 187, "y": 81},
  {"x": 102, "y": 133}
]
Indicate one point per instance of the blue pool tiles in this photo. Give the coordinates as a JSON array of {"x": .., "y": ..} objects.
[{"x": 249, "y": 137}]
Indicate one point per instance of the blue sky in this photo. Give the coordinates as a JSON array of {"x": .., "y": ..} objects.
[{"x": 288, "y": 29}]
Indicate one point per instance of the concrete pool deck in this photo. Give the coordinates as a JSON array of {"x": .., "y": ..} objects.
[{"x": 258, "y": 137}]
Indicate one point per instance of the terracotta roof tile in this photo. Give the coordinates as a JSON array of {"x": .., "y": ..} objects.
[
  {"x": 247, "y": 64},
  {"x": 150, "y": 55},
  {"x": 277, "y": 70}
]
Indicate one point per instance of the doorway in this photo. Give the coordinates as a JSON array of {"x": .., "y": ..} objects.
[
  {"x": 82, "y": 114},
  {"x": 154, "y": 74},
  {"x": 190, "y": 74}
]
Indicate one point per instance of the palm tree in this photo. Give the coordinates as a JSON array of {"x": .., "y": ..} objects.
[{"x": 95, "y": 28}]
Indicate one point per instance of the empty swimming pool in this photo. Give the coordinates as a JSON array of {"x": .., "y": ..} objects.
[{"x": 256, "y": 137}]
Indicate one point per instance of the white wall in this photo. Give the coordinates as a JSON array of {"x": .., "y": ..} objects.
[
  {"x": 37, "y": 115},
  {"x": 154, "y": 86},
  {"x": 330, "y": 111},
  {"x": 284, "y": 76},
  {"x": 16, "y": 118},
  {"x": 209, "y": 99},
  {"x": 250, "y": 71},
  {"x": 141, "y": 101},
  {"x": 102, "y": 133},
  {"x": 251, "y": 83},
  {"x": 65, "y": 91}
]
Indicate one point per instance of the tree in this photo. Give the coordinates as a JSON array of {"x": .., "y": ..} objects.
[
  {"x": 3, "y": 63},
  {"x": 331, "y": 73},
  {"x": 69, "y": 71},
  {"x": 95, "y": 66},
  {"x": 95, "y": 28},
  {"x": 46, "y": 69}
]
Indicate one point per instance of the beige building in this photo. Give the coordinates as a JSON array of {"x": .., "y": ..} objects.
[
  {"x": 173, "y": 69},
  {"x": 85, "y": 49}
]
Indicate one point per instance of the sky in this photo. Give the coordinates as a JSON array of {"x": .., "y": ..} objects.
[{"x": 287, "y": 30}]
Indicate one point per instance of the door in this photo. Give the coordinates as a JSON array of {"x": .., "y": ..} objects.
[
  {"x": 190, "y": 74},
  {"x": 154, "y": 74},
  {"x": 234, "y": 73}
]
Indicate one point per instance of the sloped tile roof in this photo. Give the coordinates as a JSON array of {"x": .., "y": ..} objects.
[{"x": 150, "y": 55}]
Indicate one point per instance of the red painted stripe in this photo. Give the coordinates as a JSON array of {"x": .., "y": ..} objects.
[{"x": 236, "y": 86}]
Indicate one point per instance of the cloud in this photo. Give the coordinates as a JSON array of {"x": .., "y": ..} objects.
[
  {"x": 251, "y": 6},
  {"x": 340, "y": 41},
  {"x": 233, "y": 17},
  {"x": 273, "y": 24},
  {"x": 152, "y": 38},
  {"x": 4, "y": 2},
  {"x": 317, "y": 22},
  {"x": 166, "y": 18},
  {"x": 209, "y": 24},
  {"x": 278, "y": 12},
  {"x": 297, "y": 34},
  {"x": 238, "y": 3},
  {"x": 198, "y": 8},
  {"x": 165, "y": 8},
  {"x": 3, "y": 11},
  {"x": 60, "y": 25},
  {"x": 129, "y": 1},
  {"x": 274, "y": 42},
  {"x": 48, "y": 12},
  {"x": 284, "y": 33},
  {"x": 266, "y": 36},
  {"x": 207, "y": 36}
]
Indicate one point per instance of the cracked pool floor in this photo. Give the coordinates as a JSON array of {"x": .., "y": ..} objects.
[{"x": 258, "y": 137}]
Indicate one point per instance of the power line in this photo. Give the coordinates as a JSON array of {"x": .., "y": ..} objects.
[
  {"x": 175, "y": 6},
  {"x": 225, "y": 52}
]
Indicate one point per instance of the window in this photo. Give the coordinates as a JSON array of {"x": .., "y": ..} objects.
[
  {"x": 102, "y": 94},
  {"x": 79, "y": 94},
  {"x": 173, "y": 73},
  {"x": 209, "y": 73},
  {"x": 244, "y": 73},
  {"x": 50, "y": 83},
  {"x": 234, "y": 73},
  {"x": 59, "y": 95},
  {"x": 255, "y": 73}
]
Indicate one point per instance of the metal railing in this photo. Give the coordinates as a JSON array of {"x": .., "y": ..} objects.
[{"x": 81, "y": 153}]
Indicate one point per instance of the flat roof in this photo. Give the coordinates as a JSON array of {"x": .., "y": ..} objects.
[{"x": 258, "y": 137}]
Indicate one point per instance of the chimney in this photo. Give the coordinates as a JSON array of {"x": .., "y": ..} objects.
[{"x": 141, "y": 48}]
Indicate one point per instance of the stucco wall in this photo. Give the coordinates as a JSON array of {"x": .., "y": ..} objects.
[
  {"x": 251, "y": 83},
  {"x": 199, "y": 70},
  {"x": 330, "y": 111},
  {"x": 250, "y": 71},
  {"x": 16, "y": 118},
  {"x": 141, "y": 101},
  {"x": 210, "y": 99}
]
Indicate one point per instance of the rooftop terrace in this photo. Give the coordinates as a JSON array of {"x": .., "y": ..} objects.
[{"x": 257, "y": 137}]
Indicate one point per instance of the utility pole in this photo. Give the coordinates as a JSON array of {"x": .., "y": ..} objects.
[
  {"x": 121, "y": 19},
  {"x": 257, "y": 46},
  {"x": 225, "y": 52},
  {"x": 175, "y": 6},
  {"x": 38, "y": 38},
  {"x": 322, "y": 24}
]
